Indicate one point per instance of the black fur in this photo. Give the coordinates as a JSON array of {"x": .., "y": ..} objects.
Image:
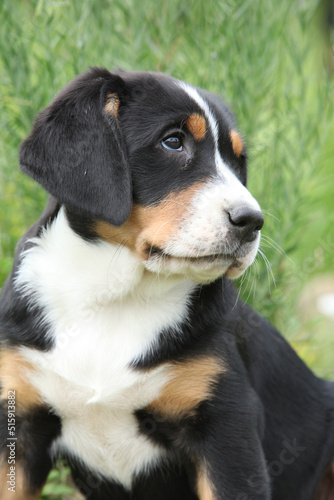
[
  {"x": 19, "y": 324},
  {"x": 76, "y": 133}
]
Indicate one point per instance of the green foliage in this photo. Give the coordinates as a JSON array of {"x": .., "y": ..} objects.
[
  {"x": 264, "y": 58},
  {"x": 55, "y": 487}
]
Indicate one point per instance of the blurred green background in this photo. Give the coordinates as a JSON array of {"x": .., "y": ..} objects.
[{"x": 273, "y": 64}]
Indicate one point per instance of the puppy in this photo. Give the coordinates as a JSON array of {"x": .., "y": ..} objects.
[{"x": 124, "y": 347}]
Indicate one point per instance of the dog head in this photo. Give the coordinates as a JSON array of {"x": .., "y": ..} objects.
[{"x": 146, "y": 161}]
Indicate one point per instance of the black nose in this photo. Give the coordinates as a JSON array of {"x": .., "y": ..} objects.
[{"x": 246, "y": 223}]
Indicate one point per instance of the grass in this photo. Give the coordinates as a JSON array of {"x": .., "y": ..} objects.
[{"x": 265, "y": 58}]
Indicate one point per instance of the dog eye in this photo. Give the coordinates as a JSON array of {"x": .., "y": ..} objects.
[{"x": 174, "y": 143}]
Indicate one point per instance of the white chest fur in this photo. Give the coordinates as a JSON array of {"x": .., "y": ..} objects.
[{"x": 104, "y": 311}]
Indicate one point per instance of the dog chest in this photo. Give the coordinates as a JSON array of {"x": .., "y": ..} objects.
[{"x": 89, "y": 383}]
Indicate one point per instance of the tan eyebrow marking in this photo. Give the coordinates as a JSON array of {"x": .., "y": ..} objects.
[
  {"x": 196, "y": 124},
  {"x": 237, "y": 143}
]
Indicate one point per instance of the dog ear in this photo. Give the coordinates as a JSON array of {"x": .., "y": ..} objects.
[{"x": 76, "y": 152}]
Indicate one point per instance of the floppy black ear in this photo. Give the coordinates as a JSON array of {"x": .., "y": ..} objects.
[{"x": 76, "y": 152}]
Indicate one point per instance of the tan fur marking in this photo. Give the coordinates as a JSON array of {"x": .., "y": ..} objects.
[
  {"x": 14, "y": 371},
  {"x": 237, "y": 143},
  {"x": 191, "y": 383},
  {"x": 111, "y": 108},
  {"x": 196, "y": 125},
  {"x": 21, "y": 487},
  {"x": 152, "y": 225},
  {"x": 205, "y": 489}
]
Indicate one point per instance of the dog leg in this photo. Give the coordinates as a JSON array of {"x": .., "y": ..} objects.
[
  {"x": 227, "y": 453},
  {"x": 25, "y": 458}
]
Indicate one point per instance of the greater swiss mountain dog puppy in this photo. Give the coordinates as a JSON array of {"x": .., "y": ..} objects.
[{"x": 124, "y": 346}]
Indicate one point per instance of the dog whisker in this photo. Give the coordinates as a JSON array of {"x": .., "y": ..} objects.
[
  {"x": 270, "y": 273},
  {"x": 272, "y": 243},
  {"x": 270, "y": 215}
]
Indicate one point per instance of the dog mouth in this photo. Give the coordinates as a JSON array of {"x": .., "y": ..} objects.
[
  {"x": 219, "y": 259},
  {"x": 202, "y": 268}
]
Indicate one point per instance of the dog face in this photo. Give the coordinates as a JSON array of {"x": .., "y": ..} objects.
[{"x": 151, "y": 163}]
